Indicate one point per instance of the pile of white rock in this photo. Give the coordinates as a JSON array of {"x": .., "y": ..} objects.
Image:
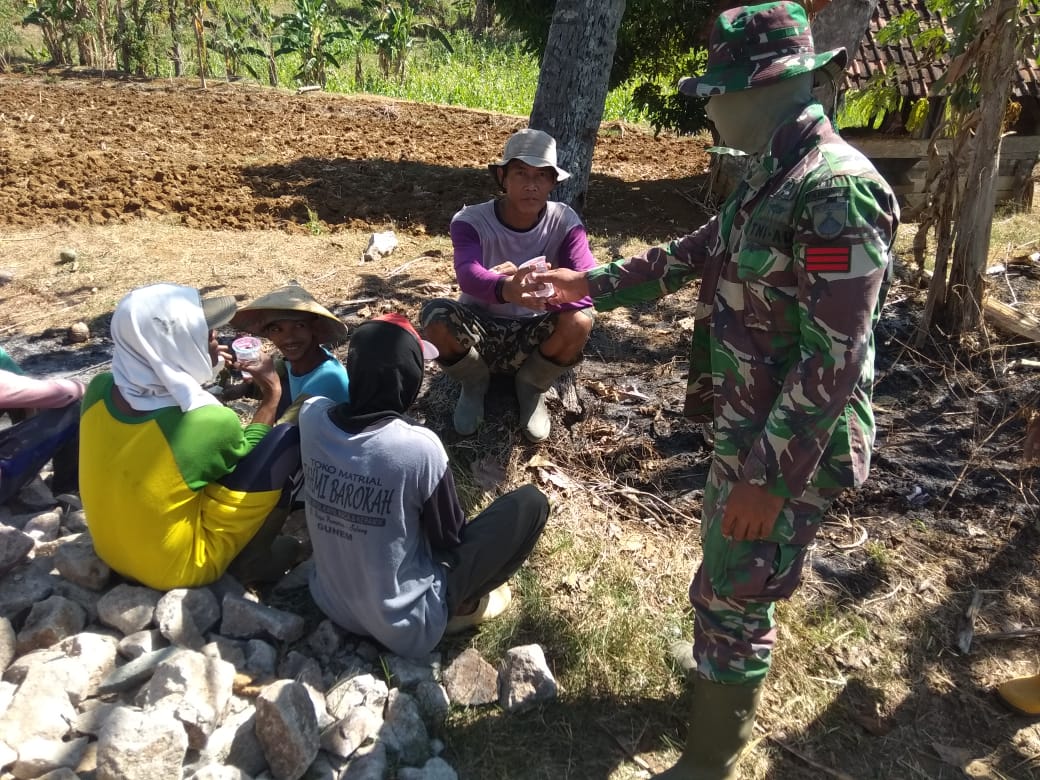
[{"x": 110, "y": 680}]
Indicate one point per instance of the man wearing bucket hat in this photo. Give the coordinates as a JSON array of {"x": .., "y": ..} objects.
[
  {"x": 394, "y": 556},
  {"x": 298, "y": 326},
  {"x": 782, "y": 357},
  {"x": 497, "y": 326}
]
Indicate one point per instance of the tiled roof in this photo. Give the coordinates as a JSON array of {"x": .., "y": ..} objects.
[{"x": 918, "y": 76}]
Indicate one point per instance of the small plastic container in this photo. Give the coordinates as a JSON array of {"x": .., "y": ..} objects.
[
  {"x": 539, "y": 265},
  {"x": 247, "y": 349}
]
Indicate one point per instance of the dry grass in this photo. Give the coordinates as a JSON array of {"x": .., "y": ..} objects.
[{"x": 48, "y": 293}]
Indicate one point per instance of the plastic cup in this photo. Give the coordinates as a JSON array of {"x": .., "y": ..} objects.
[
  {"x": 246, "y": 349},
  {"x": 539, "y": 265}
]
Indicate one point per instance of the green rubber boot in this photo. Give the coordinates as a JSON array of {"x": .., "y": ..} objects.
[
  {"x": 722, "y": 718},
  {"x": 533, "y": 379},
  {"x": 471, "y": 372}
]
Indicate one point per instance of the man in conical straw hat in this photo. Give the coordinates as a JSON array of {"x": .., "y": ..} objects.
[{"x": 298, "y": 326}]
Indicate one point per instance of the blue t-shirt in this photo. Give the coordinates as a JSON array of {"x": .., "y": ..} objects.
[{"x": 328, "y": 379}]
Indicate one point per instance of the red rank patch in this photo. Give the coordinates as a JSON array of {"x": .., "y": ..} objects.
[{"x": 824, "y": 259}]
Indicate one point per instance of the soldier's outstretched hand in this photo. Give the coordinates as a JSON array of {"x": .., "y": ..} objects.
[{"x": 570, "y": 285}]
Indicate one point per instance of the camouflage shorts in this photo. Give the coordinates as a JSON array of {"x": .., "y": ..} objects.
[
  {"x": 503, "y": 342},
  {"x": 737, "y": 585}
]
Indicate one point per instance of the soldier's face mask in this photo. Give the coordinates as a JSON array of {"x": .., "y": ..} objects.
[{"x": 747, "y": 118}]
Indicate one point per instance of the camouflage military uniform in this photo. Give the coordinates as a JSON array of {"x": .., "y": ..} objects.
[{"x": 783, "y": 350}]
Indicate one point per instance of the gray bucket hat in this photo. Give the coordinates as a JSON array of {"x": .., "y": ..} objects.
[
  {"x": 757, "y": 45},
  {"x": 533, "y": 147}
]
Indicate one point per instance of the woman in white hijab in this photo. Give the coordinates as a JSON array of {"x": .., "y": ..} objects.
[{"x": 175, "y": 490}]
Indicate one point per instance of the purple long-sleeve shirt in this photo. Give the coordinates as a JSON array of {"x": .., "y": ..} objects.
[{"x": 481, "y": 241}]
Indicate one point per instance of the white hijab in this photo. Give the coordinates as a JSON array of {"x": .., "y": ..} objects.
[{"x": 161, "y": 356}]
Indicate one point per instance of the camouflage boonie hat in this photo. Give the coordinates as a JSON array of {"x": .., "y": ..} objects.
[{"x": 758, "y": 45}]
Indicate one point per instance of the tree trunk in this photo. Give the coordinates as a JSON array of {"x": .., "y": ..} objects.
[
  {"x": 200, "y": 43},
  {"x": 483, "y": 12},
  {"x": 272, "y": 65},
  {"x": 101, "y": 36},
  {"x": 123, "y": 37},
  {"x": 997, "y": 58},
  {"x": 84, "y": 40},
  {"x": 572, "y": 86},
  {"x": 175, "y": 36},
  {"x": 137, "y": 18}
]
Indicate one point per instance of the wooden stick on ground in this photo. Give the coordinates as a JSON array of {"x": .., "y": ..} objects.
[{"x": 1018, "y": 633}]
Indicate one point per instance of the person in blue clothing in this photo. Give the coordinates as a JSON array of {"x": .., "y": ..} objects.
[{"x": 298, "y": 326}]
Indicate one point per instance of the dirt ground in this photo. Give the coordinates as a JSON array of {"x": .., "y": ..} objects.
[{"x": 239, "y": 189}]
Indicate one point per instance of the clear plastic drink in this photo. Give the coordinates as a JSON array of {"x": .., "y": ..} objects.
[
  {"x": 539, "y": 265},
  {"x": 246, "y": 349}
]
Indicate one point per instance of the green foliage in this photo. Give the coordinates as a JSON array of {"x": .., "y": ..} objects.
[
  {"x": 311, "y": 31},
  {"x": 657, "y": 44},
  {"x": 665, "y": 106},
  {"x": 918, "y": 115},
  {"x": 9, "y": 37},
  {"x": 263, "y": 26},
  {"x": 142, "y": 41},
  {"x": 495, "y": 75},
  {"x": 394, "y": 29},
  {"x": 867, "y": 107},
  {"x": 229, "y": 36},
  {"x": 932, "y": 45},
  {"x": 55, "y": 19}
]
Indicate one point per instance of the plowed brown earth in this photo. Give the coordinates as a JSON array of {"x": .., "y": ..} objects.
[
  {"x": 238, "y": 189},
  {"x": 242, "y": 157}
]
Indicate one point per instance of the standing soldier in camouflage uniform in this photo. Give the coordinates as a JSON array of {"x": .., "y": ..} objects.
[{"x": 782, "y": 354}]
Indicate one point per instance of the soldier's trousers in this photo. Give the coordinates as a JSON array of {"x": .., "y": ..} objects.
[{"x": 735, "y": 589}]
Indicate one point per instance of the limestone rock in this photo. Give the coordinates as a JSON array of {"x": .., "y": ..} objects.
[
  {"x": 135, "y": 745},
  {"x": 287, "y": 728}
]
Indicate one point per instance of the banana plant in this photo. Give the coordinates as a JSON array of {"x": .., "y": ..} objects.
[
  {"x": 394, "y": 29},
  {"x": 263, "y": 25},
  {"x": 311, "y": 30},
  {"x": 54, "y": 18},
  {"x": 231, "y": 40}
]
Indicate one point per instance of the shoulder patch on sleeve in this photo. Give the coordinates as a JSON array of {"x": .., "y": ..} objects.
[
  {"x": 824, "y": 259},
  {"x": 829, "y": 217}
]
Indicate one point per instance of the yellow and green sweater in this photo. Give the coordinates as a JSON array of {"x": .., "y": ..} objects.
[{"x": 154, "y": 508}]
